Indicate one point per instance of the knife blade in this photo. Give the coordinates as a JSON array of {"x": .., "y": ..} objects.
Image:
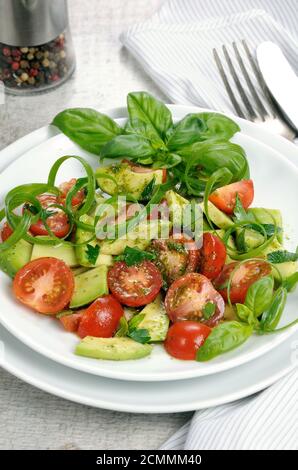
[{"x": 280, "y": 78}]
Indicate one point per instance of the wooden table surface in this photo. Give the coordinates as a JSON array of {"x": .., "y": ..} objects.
[{"x": 105, "y": 73}]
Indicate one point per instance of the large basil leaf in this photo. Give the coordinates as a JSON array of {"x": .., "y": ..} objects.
[
  {"x": 271, "y": 317},
  {"x": 200, "y": 127},
  {"x": 259, "y": 295},
  {"x": 87, "y": 128},
  {"x": 148, "y": 116},
  {"x": 131, "y": 146},
  {"x": 223, "y": 338},
  {"x": 214, "y": 155}
]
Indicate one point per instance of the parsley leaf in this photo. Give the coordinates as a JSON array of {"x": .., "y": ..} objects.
[
  {"x": 208, "y": 310},
  {"x": 270, "y": 229},
  {"x": 281, "y": 256},
  {"x": 148, "y": 190},
  {"x": 133, "y": 256},
  {"x": 92, "y": 253},
  {"x": 174, "y": 246},
  {"x": 239, "y": 211}
]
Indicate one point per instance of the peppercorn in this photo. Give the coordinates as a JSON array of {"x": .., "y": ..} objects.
[
  {"x": 24, "y": 77},
  {"x": 15, "y": 66},
  {"x": 6, "y": 51}
]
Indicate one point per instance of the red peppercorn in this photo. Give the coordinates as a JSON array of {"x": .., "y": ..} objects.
[
  {"x": 55, "y": 77},
  {"x": 16, "y": 53},
  {"x": 33, "y": 72},
  {"x": 15, "y": 66},
  {"x": 6, "y": 51}
]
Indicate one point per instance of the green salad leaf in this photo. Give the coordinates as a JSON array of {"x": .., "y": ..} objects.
[
  {"x": 133, "y": 256},
  {"x": 259, "y": 295},
  {"x": 130, "y": 146},
  {"x": 281, "y": 256},
  {"x": 92, "y": 253}
]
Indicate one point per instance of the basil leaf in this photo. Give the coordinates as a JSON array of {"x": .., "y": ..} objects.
[
  {"x": 272, "y": 316},
  {"x": 281, "y": 256},
  {"x": 133, "y": 256},
  {"x": 123, "y": 328},
  {"x": 259, "y": 295},
  {"x": 240, "y": 213},
  {"x": 148, "y": 190},
  {"x": 140, "y": 335},
  {"x": 223, "y": 338},
  {"x": 270, "y": 229},
  {"x": 88, "y": 128},
  {"x": 166, "y": 160},
  {"x": 208, "y": 310},
  {"x": 291, "y": 282},
  {"x": 200, "y": 127},
  {"x": 245, "y": 314},
  {"x": 129, "y": 146},
  {"x": 212, "y": 156},
  {"x": 92, "y": 253},
  {"x": 148, "y": 116}
]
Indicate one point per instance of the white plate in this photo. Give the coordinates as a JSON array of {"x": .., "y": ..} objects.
[
  {"x": 147, "y": 397},
  {"x": 269, "y": 171}
]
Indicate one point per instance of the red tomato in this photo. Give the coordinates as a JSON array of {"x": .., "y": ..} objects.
[
  {"x": 184, "y": 338},
  {"x": 225, "y": 198},
  {"x": 143, "y": 169},
  {"x": 66, "y": 187},
  {"x": 187, "y": 297},
  {"x": 176, "y": 256},
  {"x": 57, "y": 222},
  {"x": 134, "y": 285},
  {"x": 243, "y": 278},
  {"x": 101, "y": 318},
  {"x": 45, "y": 284},
  {"x": 71, "y": 322},
  {"x": 6, "y": 232},
  {"x": 213, "y": 255}
]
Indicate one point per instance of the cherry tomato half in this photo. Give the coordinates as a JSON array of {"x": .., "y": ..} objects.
[
  {"x": 188, "y": 296},
  {"x": 213, "y": 256},
  {"x": 243, "y": 278},
  {"x": 6, "y": 231},
  {"x": 225, "y": 198},
  {"x": 101, "y": 318},
  {"x": 77, "y": 199},
  {"x": 134, "y": 285},
  {"x": 45, "y": 284},
  {"x": 184, "y": 338},
  {"x": 57, "y": 222},
  {"x": 71, "y": 322},
  {"x": 175, "y": 256}
]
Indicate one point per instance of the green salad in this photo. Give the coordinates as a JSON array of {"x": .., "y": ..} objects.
[{"x": 159, "y": 242}]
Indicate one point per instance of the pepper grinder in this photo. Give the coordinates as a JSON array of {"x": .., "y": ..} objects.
[{"x": 36, "y": 49}]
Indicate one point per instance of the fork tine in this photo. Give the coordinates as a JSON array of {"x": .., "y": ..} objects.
[
  {"x": 261, "y": 108},
  {"x": 259, "y": 77},
  {"x": 249, "y": 108},
  {"x": 227, "y": 84}
]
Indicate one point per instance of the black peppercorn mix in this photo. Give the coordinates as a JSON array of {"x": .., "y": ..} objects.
[{"x": 36, "y": 67}]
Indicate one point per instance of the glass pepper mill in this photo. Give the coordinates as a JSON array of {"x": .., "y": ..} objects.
[{"x": 36, "y": 49}]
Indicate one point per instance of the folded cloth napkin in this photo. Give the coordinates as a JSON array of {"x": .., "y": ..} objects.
[
  {"x": 266, "y": 421},
  {"x": 175, "y": 45}
]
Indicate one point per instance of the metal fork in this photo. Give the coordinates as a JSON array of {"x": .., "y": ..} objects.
[{"x": 263, "y": 110}]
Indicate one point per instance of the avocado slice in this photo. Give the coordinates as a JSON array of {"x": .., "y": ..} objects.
[
  {"x": 113, "y": 349},
  {"x": 155, "y": 320},
  {"x": 89, "y": 286},
  {"x": 65, "y": 252},
  {"x": 138, "y": 237},
  {"x": 123, "y": 179},
  {"x": 14, "y": 258},
  {"x": 83, "y": 236},
  {"x": 219, "y": 218}
]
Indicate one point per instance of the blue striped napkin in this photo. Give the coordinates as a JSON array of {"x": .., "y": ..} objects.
[{"x": 175, "y": 45}]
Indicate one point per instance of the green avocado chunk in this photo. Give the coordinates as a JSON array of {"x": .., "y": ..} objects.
[
  {"x": 64, "y": 252},
  {"x": 113, "y": 349},
  {"x": 155, "y": 320},
  {"x": 14, "y": 258},
  {"x": 122, "y": 179},
  {"x": 89, "y": 286}
]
